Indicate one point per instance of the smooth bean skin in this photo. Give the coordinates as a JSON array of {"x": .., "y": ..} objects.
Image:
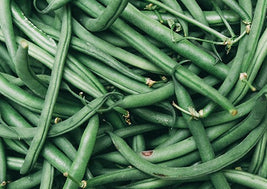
[
  {"x": 108, "y": 16},
  {"x": 183, "y": 75},
  {"x": 171, "y": 152},
  {"x": 15, "y": 163},
  {"x": 53, "y": 5},
  {"x": 149, "y": 98},
  {"x": 28, "y": 181},
  {"x": 199, "y": 134},
  {"x": 60, "y": 128},
  {"x": 104, "y": 142},
  {"x": 29, "y": 101},
  {"x": 47, "y": 176},
  {"x": 175, "y": 5},
  {"x": 198, "y": 170},
  {"x": 239, "y": 10},
  {"x": 258, "y": 155},
  {"x": 257, "y": 25},
  {"x": 79, "y": 164},
  {"x": 52, "y": 154},
  {"x": 184, "y": 48},
  {"x": 52, "y": 93},
  {"x": 211, "y": 16},
  {"x": 262, "y": 170},
  {"x": 25, "y": 73},
  {"x": 246, "y": 179}
]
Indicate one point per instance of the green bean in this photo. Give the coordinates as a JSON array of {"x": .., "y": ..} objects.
[
  {"x": 199, "y": 134},
  {"x": 77, "y": 119},
  {"x": 184, "y": 173},
  {"x": 242, "y": 109},
  {"x": 3, "y": 164},
  {"x": 149, "y": 98},
  {"x": 84, "y": 152},
  {"x": 211, "y": 16},
  {"x": 53, "y": 5},
  {"x": 233, "y": 74},
  {"x": 47, "y": 176},
  {"x": 246, "y": 179},
  {"x": 4, "y": 66},
  {"x": 16, "y": 145},
  {"x": 254, "y": 36},
  {"x": 25, "y": 73},
  {"x": 159, "y": 118},
  {"x": 162, "y": 34},
  {"x": 253, "y": 119},
  {"x": 238, "y": 9},
  {"x": 5, "y": 56},
  {"x": 113, "y": 76},
  {"x": 258, "y": 155},
  {"x": 157, "y": 55},
  {"x": 178, "y": 136},
  {"x": 104, "y": 142},
  {"x": 73, "y": 78},
  {"x": 219, "y": 11},
  {"x": 142, "y": 45},
  {"x": 195, "y": 11},
  {"x": 58, "y": 129},
  {"x": 49, "y": 152},
  {"x": 178, "y": 149},
  {"x": 29, "y": 101},
  {"x": 236, "y": 133},
  {"x": 107, "y": 17},
  {"x": 89, "y": 49},
  {"x": 262, "y": 169},
  {"x": 51, "y": 95},
  {"x": 115, "y": 176},
  {"x": 139, "y": 143},
  {"x": 192, "y": 21},
  {"x": 65, "y": 146},
  {"x": 213, "y": 119},
  {"x": 112, "y": 50},
  {"x": 29, "y": 181},
  {"x": 15, "y": 163},
  {"x": 40, "y": 37},
  {"x": 56, "y": 158},
  {"x": 176, "y": 6},
  {"x": 261, "y": 78},
  {"x": 27, "y": 27},
  {"x": 48, "y": 43},
  {"x": 260, "y": 54},
  {"x": 149, "y": 184},
  {"x": 7, "y": 28}
]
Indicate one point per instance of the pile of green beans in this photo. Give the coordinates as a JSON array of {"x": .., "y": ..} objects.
[{"x": 138, "y": 94}]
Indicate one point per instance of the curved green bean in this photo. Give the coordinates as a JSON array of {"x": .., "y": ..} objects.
[
  {"x": 51, "y": 95},
  {"x": 25, "y": 73},
  {"x": 53, "y": 5},
  {"x": 196, "y": 171},
  {"x": 239, "y": 10},
  {"x": 175, "y": 5},
  {"x": 107, "y": 17}
]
